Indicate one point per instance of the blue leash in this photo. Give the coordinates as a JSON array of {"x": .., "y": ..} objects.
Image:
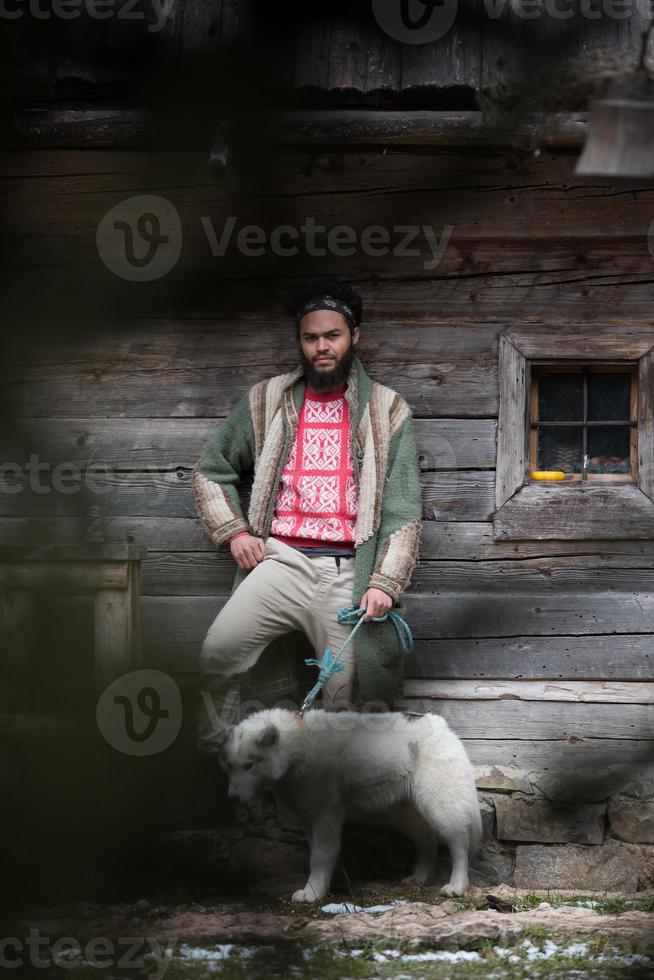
[{"x": 330, "y": 662}]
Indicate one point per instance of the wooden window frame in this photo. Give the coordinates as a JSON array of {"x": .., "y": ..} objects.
[
  {"x": 572, "y": 510},
  {"x": 544, "y": 367}
]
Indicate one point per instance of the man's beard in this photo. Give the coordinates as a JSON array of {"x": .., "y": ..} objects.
[{"x": 334, "y": 378}]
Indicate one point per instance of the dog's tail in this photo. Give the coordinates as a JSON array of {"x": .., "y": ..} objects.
[{"x": 475, "y": 832}]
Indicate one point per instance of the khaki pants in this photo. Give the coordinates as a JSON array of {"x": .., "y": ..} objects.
[{"x": 286, "y": 591}]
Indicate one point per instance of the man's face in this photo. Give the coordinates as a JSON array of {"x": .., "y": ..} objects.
[{"x": 327, "y": 348}]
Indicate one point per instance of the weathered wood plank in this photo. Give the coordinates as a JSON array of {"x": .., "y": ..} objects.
[
  {"x": 125, "y": 128},
  {"x": 540, "y": 719},
  {"x": 522, "y": 636},
  {"x": 204, "y": 371},
  {"x": 113, "y": 653},
  {"x": 511, "y": 437},
  {"x": 601, "y": 343},
  {"x": 18, "y": 622},
  {"x": 511, "y": 212},
  {"x": 593, "y": 754},
  {"x": 475, "y": 542},
  {"x": 205, "y": 573},
  {"x": 128, "y": 444},
  {"x": 593, "y": 657},
  {"x": 540, "y": 511},
  {"x": 64, "y": 576},
  {"x": 460, "y": 495},
  {"x": 598, "y": 692},
  {"x": 441, "y": 541}
]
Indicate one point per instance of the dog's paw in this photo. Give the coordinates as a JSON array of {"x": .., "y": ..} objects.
[
  {"x": 452, "y": 891},
  {"x": 305, "y": 895}
]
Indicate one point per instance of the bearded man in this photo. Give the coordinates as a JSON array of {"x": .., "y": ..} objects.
[{"x": 334, "y": 518}]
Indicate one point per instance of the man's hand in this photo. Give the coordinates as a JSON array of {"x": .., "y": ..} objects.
[
  {"x": 376, "y": 603},
  {"x": 247, "y": 550}
]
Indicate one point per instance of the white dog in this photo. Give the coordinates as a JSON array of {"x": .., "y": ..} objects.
[{"x": 330, "y": 766}]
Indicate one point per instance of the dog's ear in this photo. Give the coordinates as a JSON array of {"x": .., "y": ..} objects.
[{"x": 268, "y": 736}]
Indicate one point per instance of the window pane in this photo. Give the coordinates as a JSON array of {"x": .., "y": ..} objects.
[
  {"x": 560, "y": 398},
  {"x": 609, "y": 397},
  {"x": 608, "y": 450},
  {"x": 559, "y": 448}
]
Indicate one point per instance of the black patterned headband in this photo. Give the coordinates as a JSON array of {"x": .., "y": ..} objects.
[{"x": 328, "y": 303}]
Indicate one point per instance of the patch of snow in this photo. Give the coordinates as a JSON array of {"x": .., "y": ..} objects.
[
  {"x": 337, "y": 908},
  {"x": 220, "y": 952},
  {"x": 440, "y": 955}
]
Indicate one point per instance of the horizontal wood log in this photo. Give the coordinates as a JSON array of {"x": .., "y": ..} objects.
[
  {"x": 428, "y": 232},
  {"x": 308, "y": 172},
  {"x": 202, "y": 573},
  {"x": 530, "y": 298},
  {"x": 592, "y": 657},
  {"x": 175, "y": 626},
  {"x": 64, "y": 576},
  {"x": 575, "y": 511},
  {"x": 132, "y": 444},
  {"x": 540, "y": 719},
  {"x": 440, "y": 541},
  {"x": 590, "y": 755},
  {"x": 104, "y": 372},
  {"x": 450, "y": 496},
  {"x": 597, "y": 692},
  {"x": 131, "y": 128}
]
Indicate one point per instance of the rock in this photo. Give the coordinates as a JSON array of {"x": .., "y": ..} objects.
[
  {"x": 641, "y": 786},
  {"x": 493, "y": 864},
  {"x": 443, "y": 926},
  {"x": 612, "y": 866},
  {"x": 259, "y": 857},
  {"x": 632, "y": 819},
  {"x": 507, "y": 778},
  {"x": 487, "y": 807},
  {"x": 583, "y": 786},
  {"x": 543, "y": 820}
]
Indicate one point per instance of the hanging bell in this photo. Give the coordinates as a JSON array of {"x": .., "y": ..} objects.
[{"x": 620, "y": 140}]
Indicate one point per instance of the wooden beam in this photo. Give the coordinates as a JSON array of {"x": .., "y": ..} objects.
[
  {"x": 602, "y": 692},
  {"x": 125, "y": 128}
]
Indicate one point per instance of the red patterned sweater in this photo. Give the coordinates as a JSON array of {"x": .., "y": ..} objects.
[{"x": 317, "y": 498}]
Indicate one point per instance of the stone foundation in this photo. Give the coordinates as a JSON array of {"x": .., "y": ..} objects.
[{"x": 542, "y": 830}]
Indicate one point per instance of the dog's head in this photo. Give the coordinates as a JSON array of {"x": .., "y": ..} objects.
[{"x": 252, "y": 757}]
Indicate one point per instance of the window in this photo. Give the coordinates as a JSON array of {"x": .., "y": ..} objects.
[
  {"x": 577, "y": 402},
  {"x": 584, "y": 422}
]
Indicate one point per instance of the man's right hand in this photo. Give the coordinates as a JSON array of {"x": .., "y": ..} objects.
[{"x": 247, "y": 550}]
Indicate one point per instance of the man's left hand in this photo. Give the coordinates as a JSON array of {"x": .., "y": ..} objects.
[{"x": 376, "y": 603}]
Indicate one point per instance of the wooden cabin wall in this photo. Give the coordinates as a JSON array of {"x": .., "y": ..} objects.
[{"x": 538, "y": 653}]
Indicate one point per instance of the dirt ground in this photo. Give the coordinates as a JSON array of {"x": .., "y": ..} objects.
[{"x": 378, "y": 930}]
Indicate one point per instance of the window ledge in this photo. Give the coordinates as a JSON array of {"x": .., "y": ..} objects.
[{"x": 575, "y": 512}]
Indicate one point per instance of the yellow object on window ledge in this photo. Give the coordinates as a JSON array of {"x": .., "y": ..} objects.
[{"x": 547, "y": 475}]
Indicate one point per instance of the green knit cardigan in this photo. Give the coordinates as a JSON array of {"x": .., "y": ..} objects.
[{"x": 258, "y": 436}]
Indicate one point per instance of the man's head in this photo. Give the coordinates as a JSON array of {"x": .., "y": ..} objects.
[{"x": 328, "y": 318}]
